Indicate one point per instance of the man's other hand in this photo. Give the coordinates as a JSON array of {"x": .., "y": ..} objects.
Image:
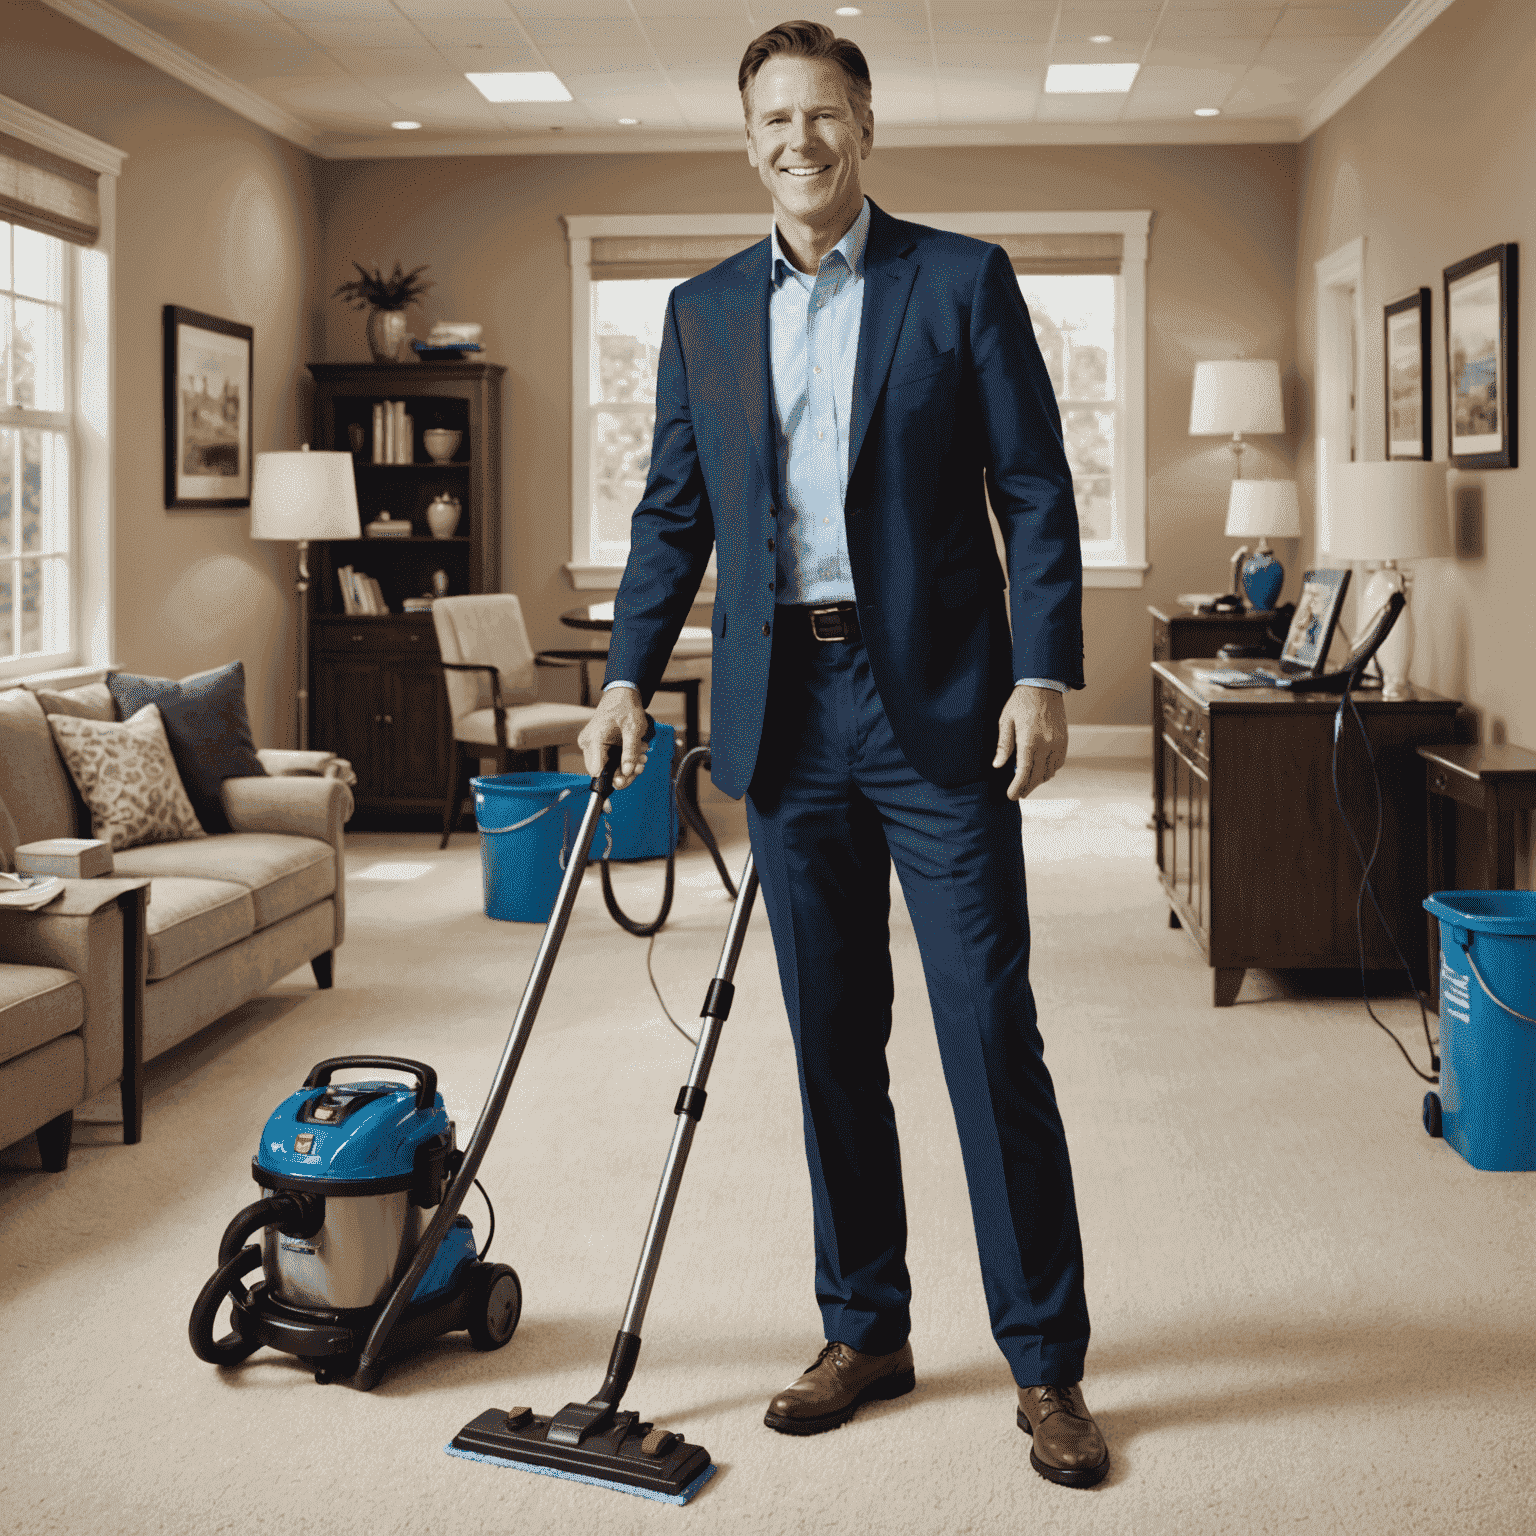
[
  {"x": 619, "y": 718},
  {"x": 1032, "y": 729}
]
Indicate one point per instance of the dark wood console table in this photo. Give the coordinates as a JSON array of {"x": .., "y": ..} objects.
[{"x": 1254, "y": 858}]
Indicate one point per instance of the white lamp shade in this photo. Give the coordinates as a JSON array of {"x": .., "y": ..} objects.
[
  {"x": 1388, "y": 510},
  {"x": 304, "y": 495},
  {"x": 1239, "y": 396},
  {"x": 1263, "y": 509}
]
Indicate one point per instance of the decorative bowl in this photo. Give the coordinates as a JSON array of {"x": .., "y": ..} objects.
[{"x": 441, "y": 443}]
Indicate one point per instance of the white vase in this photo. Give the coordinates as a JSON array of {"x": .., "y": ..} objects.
[
  {"x": 386, "y": 334},
  {"x": 443, "y": 516}
]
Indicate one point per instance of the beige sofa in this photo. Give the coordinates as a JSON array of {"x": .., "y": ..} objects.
[{"x": 179, "y": 935}]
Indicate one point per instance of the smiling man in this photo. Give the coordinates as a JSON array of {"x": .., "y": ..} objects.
[{"x": 834, "y": 408}]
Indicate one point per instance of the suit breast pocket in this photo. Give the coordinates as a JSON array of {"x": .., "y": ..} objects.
[{"x": 923, "y": 368}]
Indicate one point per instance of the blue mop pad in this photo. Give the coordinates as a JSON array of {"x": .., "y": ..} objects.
[{"x": 594, "y": 1482}]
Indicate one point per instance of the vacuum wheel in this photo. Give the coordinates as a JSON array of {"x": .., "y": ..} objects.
[
  {"x": 495, "y": 1305},
  {"x": 1432, "y": 1122}
]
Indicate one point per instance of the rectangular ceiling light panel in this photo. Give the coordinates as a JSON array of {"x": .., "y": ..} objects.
[
  {"x": 530, "y": 85},
  {"x": 1089, "y": 79}
]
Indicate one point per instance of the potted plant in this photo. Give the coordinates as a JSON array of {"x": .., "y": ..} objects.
[{"x": 385, "y": 299}]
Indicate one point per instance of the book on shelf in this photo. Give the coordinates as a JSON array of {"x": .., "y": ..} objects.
[
  {"x": 378, "y": 432},
  {"x": 375, "y": 597}
]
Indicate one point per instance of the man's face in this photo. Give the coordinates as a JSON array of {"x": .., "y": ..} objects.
[{"x": 805, "y": 140}]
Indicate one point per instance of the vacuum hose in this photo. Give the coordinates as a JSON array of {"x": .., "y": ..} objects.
[
  {"x": 294, "y": 1215},
  {"x": 685, "y": 796}
]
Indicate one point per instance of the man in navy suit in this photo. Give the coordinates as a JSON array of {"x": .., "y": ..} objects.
[{"x": 831, "y": 406}]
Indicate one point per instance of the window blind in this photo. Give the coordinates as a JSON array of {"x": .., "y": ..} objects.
[
  {"x": 634, "y": 256},
  {"x": 1062, "y": 253},
  {"x": 48, "y": 193}
]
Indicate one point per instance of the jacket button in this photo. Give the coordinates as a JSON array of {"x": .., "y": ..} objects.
[
  {"x": 767, "y": 629},
  {"x": 773, "y": 511},
  {"x": 770, "y": 546},
  {"x": 770, "y": 586}
]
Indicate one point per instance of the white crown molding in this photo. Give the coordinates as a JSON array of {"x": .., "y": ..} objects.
[
  {"x": 171, "y": 59},
  {"x": 58, "y": 138},
  {"x": 1395, "y": 37},
  {"x": 971, "y": 136}
]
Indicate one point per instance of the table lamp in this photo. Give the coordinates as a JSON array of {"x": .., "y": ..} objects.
[
  {"x": 1236, "y": 396},
  {"x": 1262, "y": 509},
  {"x": 1389, "y": 511},
  {"x": 302, "y": 496}
]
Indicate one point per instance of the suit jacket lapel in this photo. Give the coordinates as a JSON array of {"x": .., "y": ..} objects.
[
  {"x": 888, "y": 277},
  {"x": 745, "y": 340}
]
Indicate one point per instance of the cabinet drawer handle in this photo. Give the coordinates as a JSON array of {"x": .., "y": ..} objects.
[
  {"x": 357, "y": 639},
  {"x": 414, "y": 639},
  {"x": 389, "y": 719}
]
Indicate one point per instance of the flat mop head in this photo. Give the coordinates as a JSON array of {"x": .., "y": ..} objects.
[{"x": 630, "y": 1456}]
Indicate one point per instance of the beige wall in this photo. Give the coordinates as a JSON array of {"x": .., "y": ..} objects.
[
  {"x": 1219, "y": 285},
  {"x": 218, "y": 215},
  {"x": 1432, "y": 162}
]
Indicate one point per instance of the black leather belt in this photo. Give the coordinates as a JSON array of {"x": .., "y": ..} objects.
[{"x": 830, "y": 621}]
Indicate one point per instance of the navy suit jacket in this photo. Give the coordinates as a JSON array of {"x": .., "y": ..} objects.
[{"x": 950, "y": 393}]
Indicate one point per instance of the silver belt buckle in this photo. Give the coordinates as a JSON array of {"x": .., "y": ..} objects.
[{"x": 831, "y": 608}]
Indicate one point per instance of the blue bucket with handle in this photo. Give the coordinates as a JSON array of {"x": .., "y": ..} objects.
[
  {"x": 1487, "y": 1099},
  {"x": 528, "y": 824}
]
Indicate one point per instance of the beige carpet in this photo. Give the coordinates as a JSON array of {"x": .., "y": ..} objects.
[{"x": 1307, "y": 1315}]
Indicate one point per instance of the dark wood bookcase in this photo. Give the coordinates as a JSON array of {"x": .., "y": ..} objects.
[{"x": 376, "y": 687}]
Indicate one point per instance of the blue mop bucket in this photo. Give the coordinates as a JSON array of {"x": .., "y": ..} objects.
[
  {"x": 642, "y": 819},
  {"x": 528, "y": 824},
  {"x": 1487, "y": 1101}
]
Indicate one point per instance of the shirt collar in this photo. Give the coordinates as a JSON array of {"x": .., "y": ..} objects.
[{"x": 851, "y": 247}]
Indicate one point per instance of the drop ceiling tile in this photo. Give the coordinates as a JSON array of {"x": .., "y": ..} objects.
[
  {"x": 1033, "y": 15},
  {"x": 582, "y": 10},
  {"x": 391, "y": 64},
  {"x": 1077, "y": 51},
  {"x": 1331, "y": 21},
  {"x": 1123, "y": 25},
  {"x": 1018, "y": 56},
  {"x": 1268, "y": 92},
  {"x": 1170, "y": 91},
  {"x": 453, "y": 10},
  {"x": 583, "y": 32},
  {"x": 997, "y": 92},
  {"x": 1101, "y": 107},
  {"x": 1337, "y": 53},
  {"x": 1218, "y": 23},
  {"x": 870, "y": 31},
  {"x": 348, "y": 23},
  {"x": 653, "y": 108},
  {"x": 450, "y": 32},
  {"x": 496, "y": 58},
  {"x": 989, "y": 27},
  {"x": 702, "y": 10},
  {"x": 1229, "y": 5},
  {"x": 592, "y": 85},
  {"x": 1206, "y": 53},
  {"x": 245, "y": 63}
]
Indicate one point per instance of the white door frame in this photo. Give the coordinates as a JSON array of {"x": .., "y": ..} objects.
[{"x": 1340, "y": 370}]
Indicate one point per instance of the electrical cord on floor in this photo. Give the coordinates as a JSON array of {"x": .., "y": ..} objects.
[
  {"x": 682, "y": 801},
  {"x": 1346, "y": 702}
]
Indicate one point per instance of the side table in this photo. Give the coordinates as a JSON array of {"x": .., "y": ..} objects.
[{"x": 1499, "y": 781}]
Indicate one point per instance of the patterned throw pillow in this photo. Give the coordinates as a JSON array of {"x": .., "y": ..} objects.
[{"x": 128, "y": 778}]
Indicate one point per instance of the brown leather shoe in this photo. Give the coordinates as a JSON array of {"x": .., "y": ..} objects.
[
  {"x": 1068, "y": 1448},
  {"x": 842, "y": 1378}
]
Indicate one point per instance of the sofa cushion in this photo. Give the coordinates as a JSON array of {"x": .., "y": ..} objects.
[
  {"x": 284, "y": 874},
  {"x": 208, "y": 728},
  {"x": 92, "y": 701},
  {"x": 37, "y": 1004},
  {"x": 34, "y": 783},
  {"x": 188, "y": 919},
  {"x": 128, "y": 778}
]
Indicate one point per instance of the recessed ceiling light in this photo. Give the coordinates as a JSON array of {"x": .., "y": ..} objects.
[
  {"x": 1207, "y": 111},
  {"x": 404, "y": 124},
  {"x": 629, "y": 122},
  {"x": 1089, "y": 79},
  {"x": 532, "y": 85},
  {"x": 1102, "y": 37},
  {"x": 848, "y": 10}
]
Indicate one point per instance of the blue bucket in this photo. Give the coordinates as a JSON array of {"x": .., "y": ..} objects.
[
  {"x": 528, "y": 824},
  {"x": 642, "y": 819},
  {"x": 1488, "y": 1025}
]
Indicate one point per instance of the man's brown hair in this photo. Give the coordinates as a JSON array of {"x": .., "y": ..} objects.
[{"x": 808, "y": 40}]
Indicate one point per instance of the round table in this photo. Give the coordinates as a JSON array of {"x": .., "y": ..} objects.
[{"x": 694, "y": 643}]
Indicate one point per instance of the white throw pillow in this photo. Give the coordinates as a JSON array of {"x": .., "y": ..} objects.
[{"x": 127, "y": 778}]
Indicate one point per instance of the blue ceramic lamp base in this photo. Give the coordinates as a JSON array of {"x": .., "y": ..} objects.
[{"x": 1262, "y": 576}]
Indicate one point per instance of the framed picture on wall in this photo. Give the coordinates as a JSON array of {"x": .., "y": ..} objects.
[
  {"x": 207, "y": 410},
  {"x": 1480, "y": 358},
  {"x": 1410, "y": 427}
]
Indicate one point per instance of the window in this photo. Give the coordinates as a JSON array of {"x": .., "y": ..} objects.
[
  {"x": 1083, "y": 276},
  {"x": 56, "y": 218},
  {"x": 36, "y": 507}
]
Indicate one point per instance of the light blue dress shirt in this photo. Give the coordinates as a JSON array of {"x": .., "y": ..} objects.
[{"x": 813, "y": 325}]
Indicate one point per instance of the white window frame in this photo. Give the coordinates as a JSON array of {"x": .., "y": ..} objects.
[
  {"x": 1117, "y": 562},
  {"x": 90, "y": 275}
]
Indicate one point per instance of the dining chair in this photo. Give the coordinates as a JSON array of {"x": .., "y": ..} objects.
[{"x": 491, "y": 673}]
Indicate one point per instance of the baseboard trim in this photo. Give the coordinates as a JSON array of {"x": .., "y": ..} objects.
[{"x": 1110, "y": 741}]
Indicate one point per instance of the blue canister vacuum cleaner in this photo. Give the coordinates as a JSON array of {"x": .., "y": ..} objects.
[{"x": 363, "y": 1250}]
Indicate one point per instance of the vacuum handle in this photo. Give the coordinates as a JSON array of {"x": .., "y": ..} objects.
[
  {"x": 426, "y": 1078},
  {"x": 603, "y": 783}
]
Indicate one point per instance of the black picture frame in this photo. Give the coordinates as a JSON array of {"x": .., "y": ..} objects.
[
  {"x": 1316, "y": 618},
  {"x": 1407, "y": 338},
  {"x": 209, "y": 371},
  {"x": 1481, "y": 361}
]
